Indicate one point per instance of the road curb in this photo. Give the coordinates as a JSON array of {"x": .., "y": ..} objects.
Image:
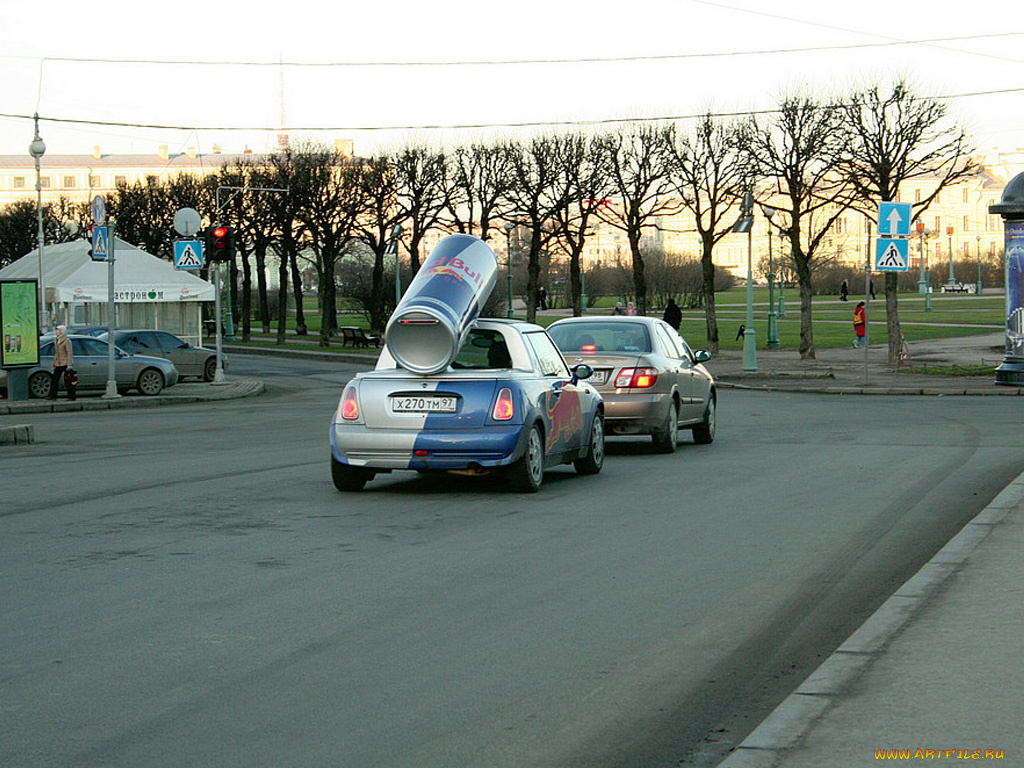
[{"x": 790, "y": 722}]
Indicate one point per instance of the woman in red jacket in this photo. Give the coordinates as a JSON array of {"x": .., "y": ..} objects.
[{"x": 859, "y": 324}]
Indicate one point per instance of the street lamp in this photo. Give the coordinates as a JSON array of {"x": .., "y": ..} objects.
[
  {"x": 922, "y": 286},
  {"x": 977, "y": 291},
  {"x": 396, "y": 232},
  {"x": 745, "y": 223},
  {"x": 509, "y": 227},
  {"x": 952, "y": 278},
  {"x": 773, "y": 323},
  {"x": 37, "y": 149}
]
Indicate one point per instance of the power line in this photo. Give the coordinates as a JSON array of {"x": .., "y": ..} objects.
[
  {"x": 521, "y": 62},
  {"x": 459, "y": 126}
]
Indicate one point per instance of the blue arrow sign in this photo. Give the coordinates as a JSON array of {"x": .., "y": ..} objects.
[
  {"x": 188, "y": 254},
  {"x": 894, "y": 219},
  {"x": 99, "y": 244},
  {"x": 891, "y": 255}
]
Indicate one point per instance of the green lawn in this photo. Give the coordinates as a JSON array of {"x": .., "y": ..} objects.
[{"x": 833, "y": 319}]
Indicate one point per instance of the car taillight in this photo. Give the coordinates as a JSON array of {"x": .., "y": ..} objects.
[
  {"x": 350, "y": 405},
  {"x": 640, "y": 378},
  {"x": 503, "y": 409}
]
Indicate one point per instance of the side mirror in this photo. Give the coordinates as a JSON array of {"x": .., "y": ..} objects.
[
  {"x": 581, "y": 371},
  {"x": 701, "y": 355}
]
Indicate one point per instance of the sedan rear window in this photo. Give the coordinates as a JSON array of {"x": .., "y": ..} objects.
[{"x": 599, "y": 337}]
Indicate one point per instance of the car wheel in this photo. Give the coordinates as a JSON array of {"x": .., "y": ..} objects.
[
  {"x": 705, "y": 432},
  {"x": 150, "y": 382},
  {"x": 665, "y": 439},
  {"x": 527, "y": 474},
  {"x": 348, "y": 478},
  {"x": 210, "y": 369},
  {"x": 591, "y": 463},
  {"x": 39, "y": 384}
]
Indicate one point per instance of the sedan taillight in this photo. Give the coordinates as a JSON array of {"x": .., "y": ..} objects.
[
  {"x": 504, "y": 409},
  {"x": 640, "y": 378}
]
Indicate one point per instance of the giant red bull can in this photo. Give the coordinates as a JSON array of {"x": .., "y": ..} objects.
[{"x": 431, "y": 321}]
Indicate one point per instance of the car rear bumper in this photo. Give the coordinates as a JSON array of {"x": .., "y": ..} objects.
[
  {"x": 635, "y": 413},
  {"x": 359, "y": 446}
]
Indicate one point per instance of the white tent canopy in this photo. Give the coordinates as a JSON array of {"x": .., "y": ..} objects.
[{"x": 149, "y": 292}]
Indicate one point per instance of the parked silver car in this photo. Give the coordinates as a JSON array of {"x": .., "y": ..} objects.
[
  {"x": 651, "y": 381},
  {"x": 190, "y": 361},
  {"x": 149, "y": 375}
]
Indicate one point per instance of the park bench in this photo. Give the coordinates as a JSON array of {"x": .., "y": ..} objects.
[
  {"x": 353, "y": 336},
  {"x": 955, "y": 288}
]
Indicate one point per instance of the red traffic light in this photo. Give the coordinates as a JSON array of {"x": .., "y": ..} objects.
[{"x": 220, "y": 244}]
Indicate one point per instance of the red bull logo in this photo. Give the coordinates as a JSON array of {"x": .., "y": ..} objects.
[
  {"x": 565, "y": 415},
  {"x": 455, "y": 267}
]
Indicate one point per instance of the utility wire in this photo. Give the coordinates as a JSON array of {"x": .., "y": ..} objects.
[
  {"x": 523, "y": 62},
  {"x": 459, "y": 126}
]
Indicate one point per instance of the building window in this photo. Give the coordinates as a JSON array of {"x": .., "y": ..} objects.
[
  {"x": 44, "y": 182},
  {"x": 69, "y": 182},
  {"x": 967, "y": 224},
  {"x": 917, "y": 195},
  {"x": 967, "y": 195},
  {"x": 120, "y": 181},
  {"x": 94, "y": 182},
  {"x": 19, "y": 182}
]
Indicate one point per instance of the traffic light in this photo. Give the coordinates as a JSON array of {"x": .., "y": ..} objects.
[
  {"x": 88, "y": 237},
  {"x": 220, "y": 245}
]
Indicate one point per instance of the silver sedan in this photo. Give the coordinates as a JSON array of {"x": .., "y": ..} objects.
[
  {"x": 149, "y": 375},
  {"x": 651, "y": 381}
]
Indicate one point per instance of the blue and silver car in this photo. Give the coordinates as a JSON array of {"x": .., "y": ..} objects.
[{"x": 506, "y": 404}]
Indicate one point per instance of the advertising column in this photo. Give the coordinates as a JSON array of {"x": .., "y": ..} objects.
[{"x": 1011, "y": 208}]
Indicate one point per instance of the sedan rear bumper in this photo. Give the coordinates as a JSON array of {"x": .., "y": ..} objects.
[{"x": 635, "y": 413}]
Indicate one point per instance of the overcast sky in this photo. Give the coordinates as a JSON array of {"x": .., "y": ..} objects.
[{"x": 205, "y": 68}]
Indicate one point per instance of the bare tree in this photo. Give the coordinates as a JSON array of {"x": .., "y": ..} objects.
[
  {"x": 581, "y": 189},
  {"x": 799, "y": 149},
  {"x": 379, "y": 192},
  {"x": 478, "y": 180},
  {"x": 421, "y": 178},
  {"x": 895, "y": 137},
  {"x": 708, "y": 170},
  {"x": 643, "y": 188},
  {"x": 535, "y": 195}
]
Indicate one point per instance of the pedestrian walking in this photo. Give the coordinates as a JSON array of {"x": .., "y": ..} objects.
[
  {"x": 859, "y": 325},
  {"x": 63, "y": 359},
  {"x": 542, "y": 298},
  {"x": 673, "y": 315},
  {"x": 630, "y": 309},
  {"x": 619, "y": 309},
  {"x": 844, "y": 290},
  {"x": 871, "y": 287}
]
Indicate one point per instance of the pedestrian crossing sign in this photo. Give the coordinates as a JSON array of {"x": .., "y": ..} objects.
[
  {"x": 892, "y": 255},
  {"x": 188, "y": 254}
]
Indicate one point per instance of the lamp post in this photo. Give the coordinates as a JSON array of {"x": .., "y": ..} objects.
[
  {"x": 509, "y": 227},
  {"x": 773, "y": 322},
  {"x": 927, "y": 280},
  {"x": 952, "y": 278},
  {"x": 396, "y": 232},
  {"x": 782, "y": 273},
  {"x": 977, "y": 291},
  {"x": 745, "y": 223},
  {"x": 922, "y": 286},
  {"x": 37, "y": 149}
]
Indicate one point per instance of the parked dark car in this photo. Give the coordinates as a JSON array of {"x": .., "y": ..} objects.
[{"x": 189, "y": 360}]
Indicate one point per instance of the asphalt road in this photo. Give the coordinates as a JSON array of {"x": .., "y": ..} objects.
[{"x": 183, "y": 586}]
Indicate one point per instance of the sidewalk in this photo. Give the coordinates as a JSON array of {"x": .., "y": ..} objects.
[
  {"x": 844, "y": 371},
  {"x": 936, "y": 672}
]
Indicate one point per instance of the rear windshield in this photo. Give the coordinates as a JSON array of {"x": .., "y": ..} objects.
[
  {"x": 483, "y": 349},
  {"x": 601, "y": 337}
]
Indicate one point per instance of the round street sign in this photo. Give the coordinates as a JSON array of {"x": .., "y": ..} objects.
[
  {"x": 99, "y": 211},
  {"x": 187, "y": 221}
]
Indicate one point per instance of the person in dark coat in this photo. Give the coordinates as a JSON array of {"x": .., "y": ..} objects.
[{"x": 673, "y": 315}]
